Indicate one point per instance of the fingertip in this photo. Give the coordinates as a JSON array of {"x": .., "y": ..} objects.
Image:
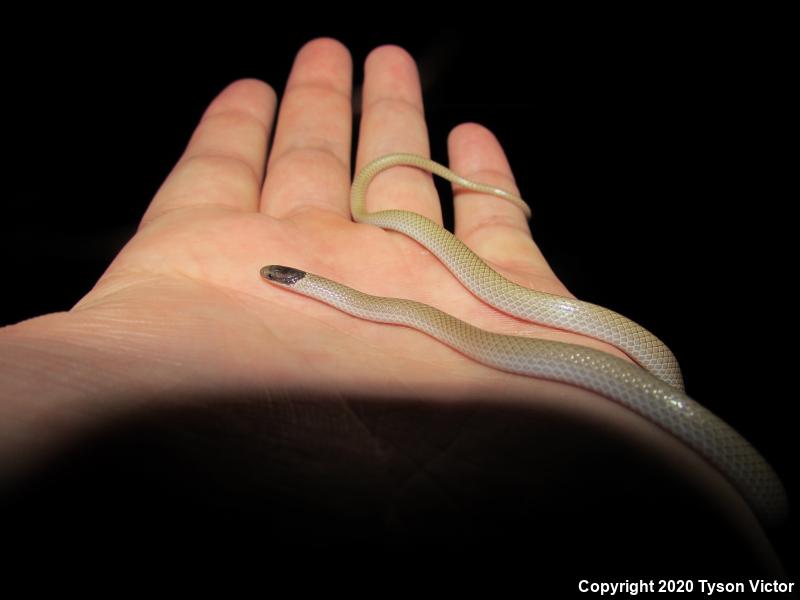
[
  {"x": 325, "y": 48},
  {"x": 249, "y": 95},
  {"x": 391, "y": 73},
  {"x": 250, "y": 86},
  {"x": 389, "y": 53},
  {"x": 472, "y": 136},
  {"x": 322, "y": 62}
]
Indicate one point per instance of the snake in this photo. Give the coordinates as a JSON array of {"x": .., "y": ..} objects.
[{"x": 650, "y": 384}]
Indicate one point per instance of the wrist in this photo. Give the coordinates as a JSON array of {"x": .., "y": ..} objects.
[{"x": 60, "y": 374}]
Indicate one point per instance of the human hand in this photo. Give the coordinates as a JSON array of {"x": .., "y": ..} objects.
[
  {"x": 183, "y": 308},
  {"x": 193, "y": 266}
]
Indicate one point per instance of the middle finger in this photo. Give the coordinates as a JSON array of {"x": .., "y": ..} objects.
[{"x": 309, "y": 165}]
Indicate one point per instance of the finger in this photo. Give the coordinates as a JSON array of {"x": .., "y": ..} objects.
[
  {"x": 223, "y": 164},
  {"x": 495, "y": 229},
  {"x": 309, "y": 165},
  {"x": 393, "y": 120}
]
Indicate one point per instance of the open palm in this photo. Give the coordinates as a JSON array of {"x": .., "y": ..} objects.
[{"x": 189, "y": 282}]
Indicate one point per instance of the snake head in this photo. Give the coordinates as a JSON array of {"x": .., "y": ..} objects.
[{"x": 282, "y": 275}]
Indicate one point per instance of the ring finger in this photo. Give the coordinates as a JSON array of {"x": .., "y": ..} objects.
[{"x": 393, "y": 120}]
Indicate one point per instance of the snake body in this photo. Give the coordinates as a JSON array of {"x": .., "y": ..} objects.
[{"x": 654, "y": 389}]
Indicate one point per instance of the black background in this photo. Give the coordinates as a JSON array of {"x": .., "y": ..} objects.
[{"x": 650, "y": 147}]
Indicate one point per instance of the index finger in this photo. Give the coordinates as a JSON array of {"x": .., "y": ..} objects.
[{"x": 223, "y": 164}]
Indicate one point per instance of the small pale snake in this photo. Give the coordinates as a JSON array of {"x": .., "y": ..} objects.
[{"x": 653, "y": 389}]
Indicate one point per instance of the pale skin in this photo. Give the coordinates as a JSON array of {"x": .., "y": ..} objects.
[{"x": 182, "y": 307}]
